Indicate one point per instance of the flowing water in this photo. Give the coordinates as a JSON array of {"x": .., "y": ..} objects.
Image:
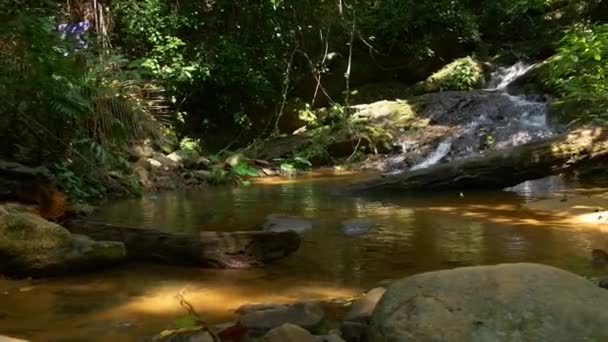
[
  {"x": 412, "y": 234},
  {"x": 489, "y": 119}
]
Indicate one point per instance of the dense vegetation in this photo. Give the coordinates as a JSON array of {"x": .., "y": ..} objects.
[{"x": 219, "y": 73}]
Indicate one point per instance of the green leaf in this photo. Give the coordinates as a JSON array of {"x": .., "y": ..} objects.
[{"x": 187, "y": 321}]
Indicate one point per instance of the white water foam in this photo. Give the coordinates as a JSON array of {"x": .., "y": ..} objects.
[{"x": 441, "y": 151}]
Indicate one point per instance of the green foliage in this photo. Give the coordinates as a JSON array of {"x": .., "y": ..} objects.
[
  {"x": 461, "y": 74},
  {"x": 580, "y": 73},
  {"x": 187, "y": 321}
]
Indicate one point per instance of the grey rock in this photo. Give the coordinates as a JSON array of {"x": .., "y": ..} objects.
[
  {"x": 261, "y": 318},
  {"x": 288, "y": 333},
  {"x": 363, "y": 308},
  {"x": 282, "y": 223},
  {"x": 32, "y": 246},
  {"x": 357, "y": 226},
  {"x": 189, "y": 159},
  {"x": 522, "y": 302}
]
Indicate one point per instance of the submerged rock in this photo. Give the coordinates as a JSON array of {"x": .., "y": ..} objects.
[
  {"x": 259, "y": 319},
  {"x": 283, "y": 223},
  {"x": 32, "y": 246},
  {"x": 524, "y": 302},
  {"x": 357, "y": 226},
  {"x": 288, "y": 333}
]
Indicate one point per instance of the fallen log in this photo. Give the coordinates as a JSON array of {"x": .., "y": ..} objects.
[
  {"x": 499, "y": 169},
  {"x": 242, "y": 249}
]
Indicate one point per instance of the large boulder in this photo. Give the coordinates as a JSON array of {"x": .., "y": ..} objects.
[
  {"x": 509, "y": 302},
  {"x": 32, "y": 246},
  {"x": 461, "y": 74}
]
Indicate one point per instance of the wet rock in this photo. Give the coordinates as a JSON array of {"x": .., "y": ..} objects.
[
  {"x": 288, "y": 332},
  {"x": 362, "y": 308},
  {"x": 32, "y": 246},
  {"x": 328, "y": 338},
  {"x": 357, "y": 226},
  {"x": 599, "y": 257},
  {"x": 603, "y": 283},
  {"x": 282, "y": 223},
  {"x": 259, "y": 319},
  {"x": 526, "y": 302}
]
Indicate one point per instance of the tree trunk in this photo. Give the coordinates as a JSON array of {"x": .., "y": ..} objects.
[
  {"x": 499, "y": 169},
  {"x": 211, "y": 249}
]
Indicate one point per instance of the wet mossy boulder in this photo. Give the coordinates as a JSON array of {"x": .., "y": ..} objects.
[
  {"x": 33, "y": 246},
  {"x": 462, "y": 74},
  {"x": 509, "y": 302}
]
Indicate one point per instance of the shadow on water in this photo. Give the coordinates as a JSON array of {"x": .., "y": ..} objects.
[{"x": 412, "y": 233}]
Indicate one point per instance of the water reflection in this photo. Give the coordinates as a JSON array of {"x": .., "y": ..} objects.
[{"x": 413, "y": 233}]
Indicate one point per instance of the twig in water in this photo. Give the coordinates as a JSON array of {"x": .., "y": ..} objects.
[{"x": 192, "y": 312}]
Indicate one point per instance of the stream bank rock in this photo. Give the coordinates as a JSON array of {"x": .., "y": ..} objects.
[
  {"x": 523, "y": 302},
  {"x": 259, "y": 319},
  {"x": 32, "y": 246}
]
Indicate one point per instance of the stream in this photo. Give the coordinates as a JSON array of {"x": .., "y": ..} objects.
[{"x": 411, "y": 234}]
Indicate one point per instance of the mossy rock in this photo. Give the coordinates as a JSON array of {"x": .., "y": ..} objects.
[
  {"x": 462, "y": 74},
  {"x": 33, "y": 246}
]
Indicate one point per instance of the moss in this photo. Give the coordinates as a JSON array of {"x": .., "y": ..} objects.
[{"x": 461, "y": 74}]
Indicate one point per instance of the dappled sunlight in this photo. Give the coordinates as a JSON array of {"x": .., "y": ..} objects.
[
  {"x": 563, "y": 211},
  {"x": 318, "y": 175},
  {"x": 223, "y": 301}
]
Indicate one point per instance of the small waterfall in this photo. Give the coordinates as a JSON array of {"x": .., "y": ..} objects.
[
  {"x": 503, "y": 76},
  {"x": 496, "y": 119},
  {"x": 441, "y": 151}
]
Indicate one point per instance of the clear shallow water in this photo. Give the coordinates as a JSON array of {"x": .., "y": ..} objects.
[{"x": 413, "y": 233}]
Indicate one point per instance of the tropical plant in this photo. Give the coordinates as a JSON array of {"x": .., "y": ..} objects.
[{"x": 580, "y": 73}]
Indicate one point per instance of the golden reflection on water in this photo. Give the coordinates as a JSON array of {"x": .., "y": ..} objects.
[{"x": 413, "y": 233}]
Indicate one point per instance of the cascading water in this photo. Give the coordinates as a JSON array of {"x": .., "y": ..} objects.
[
  {"x": 486, "y": 119},
  {"x": 441, "y": 151}
]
